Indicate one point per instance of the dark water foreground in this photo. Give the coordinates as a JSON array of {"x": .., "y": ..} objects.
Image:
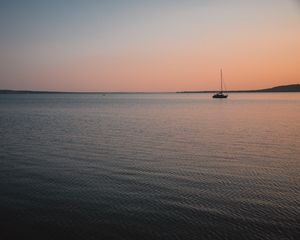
[{"x": 150, "y": 166}]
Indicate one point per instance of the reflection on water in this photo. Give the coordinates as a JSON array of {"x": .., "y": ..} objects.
[{"x": 150, "y": 166}]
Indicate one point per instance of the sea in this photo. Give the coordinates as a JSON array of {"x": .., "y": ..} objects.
[{"x": 150, "y": 166}]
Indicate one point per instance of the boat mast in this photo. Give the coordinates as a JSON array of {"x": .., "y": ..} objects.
[{"x": 221, "y": 80}]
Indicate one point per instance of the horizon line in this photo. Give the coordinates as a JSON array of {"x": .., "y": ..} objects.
[{"x": 142, "y": 92}]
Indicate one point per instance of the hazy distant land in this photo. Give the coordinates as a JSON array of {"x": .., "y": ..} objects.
[{"x": 283, "y": 88}]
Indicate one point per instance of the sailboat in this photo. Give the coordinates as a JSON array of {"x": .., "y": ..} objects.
[{"x": 220, "y": 94}]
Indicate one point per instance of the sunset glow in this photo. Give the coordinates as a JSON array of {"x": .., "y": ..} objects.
[{"x": 149, "y": 45}]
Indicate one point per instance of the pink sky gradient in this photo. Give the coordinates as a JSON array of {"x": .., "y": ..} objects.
[{"x": 161, "y": 47}]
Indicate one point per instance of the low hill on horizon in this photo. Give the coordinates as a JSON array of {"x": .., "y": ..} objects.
[{"x": 283, "y": 88}]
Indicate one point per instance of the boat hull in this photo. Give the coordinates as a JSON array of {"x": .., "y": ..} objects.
[{"x": 220, "y": 96}]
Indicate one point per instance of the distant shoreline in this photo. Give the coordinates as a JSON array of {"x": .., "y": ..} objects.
[
  {"x": 284, "y": 88},
  {"x": 5, "y": 91}
]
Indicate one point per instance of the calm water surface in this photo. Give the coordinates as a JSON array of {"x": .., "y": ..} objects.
[{"x": 150, "y": 166}]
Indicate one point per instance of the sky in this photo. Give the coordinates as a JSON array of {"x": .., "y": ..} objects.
[{"x": 141, "y": 45}]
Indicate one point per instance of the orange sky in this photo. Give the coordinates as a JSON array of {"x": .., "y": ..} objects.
[{"x": 153, "y": 47}]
